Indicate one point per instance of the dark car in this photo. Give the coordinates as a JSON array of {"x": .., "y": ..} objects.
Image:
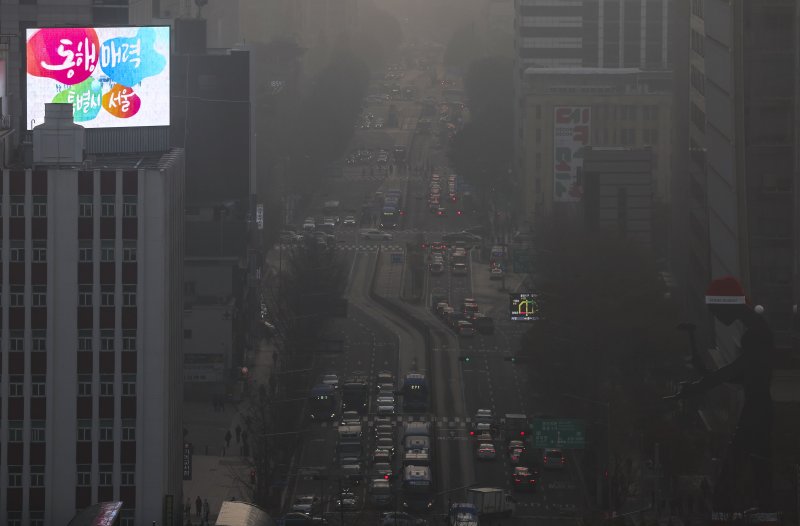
[{"x": 462, "y": 236}]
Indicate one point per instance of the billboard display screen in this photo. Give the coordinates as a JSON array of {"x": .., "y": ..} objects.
[
  {"x": 114, "y": 77},
  {"x": 570, "y": 134},
  {"x": 524, "y": 306}
]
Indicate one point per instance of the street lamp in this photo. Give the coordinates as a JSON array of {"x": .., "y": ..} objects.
[{"x": 607, "y": 406}]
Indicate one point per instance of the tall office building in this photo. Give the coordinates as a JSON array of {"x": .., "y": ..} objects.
[
  {"x": 91, "y": 331},
  {"x": 584, "y": 34},
  {"x": 742, "y": 99}
]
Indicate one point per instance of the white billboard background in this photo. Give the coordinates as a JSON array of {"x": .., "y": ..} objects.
[
  {"x": 571, "y": 127},
  {"x": 114, "y": 76}
]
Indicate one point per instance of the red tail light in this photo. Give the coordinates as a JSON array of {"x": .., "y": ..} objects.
[
  {"x": 522, "y": 433},
  {"x": 533, "y": 481},
  {"x": 386, "y": 477},
  {"x": 459, "y": 212},
  {"x": 545, "y": 460},
  {"x": 517, "y": 481},
  {"x": 402, "y": 212},
  {"x": 563, "y": 460},
  {"x": 472, "y": 433}
]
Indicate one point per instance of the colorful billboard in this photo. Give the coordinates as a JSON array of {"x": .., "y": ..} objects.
[
  {"x": 570, "y": 134},
  {"x": 114, "y": 77}
]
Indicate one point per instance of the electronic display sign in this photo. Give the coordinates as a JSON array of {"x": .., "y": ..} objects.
[
  {"x": 524, "y": 306},
  {"x": 114, "y": 77}
]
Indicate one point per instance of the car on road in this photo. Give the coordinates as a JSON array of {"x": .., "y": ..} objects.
[
  {"x": 384, "y": 430},
  {"x": 399, "y": 518},
  {"x": 330, "y": 379},
  {"x": 386, "y": 443},
  {"x": 515, "y": 456},
  {"x": 554, "y": 459},
  {"x": 346, "y": 500},
  {"x": 465, "y": 328},
  {"x": 440, "y": 308},
  {"x": 349, "y": 221},
  {"x": 383, "y": 420},
  {"x": 486, "y": 451},
  {"x": 306, "y": 504},
  {"x": 386, "y": 405},
  {"x": 383, "y": 470},
  {"x": 309, "y": 225},
  {"x": 380, "y": 492},
  {"x": 524, "y": 478},
  {"x": 483, "y": 324},
  {"x": 351, "y": 418},
  {"x": 382, "y": 455},
  {"x": 459, "y": 269},
  {"x": 384, "y": 377},
  {"x": 441, "y": 211},
  {"x": 375, "y": 235},
  {"x": 496, "y": 273},
  {"x": 516, "y": 444},
  {"x": 485, "y": 415},
  {"x": 436, "y": 268},
  {"x": 385, "y": 389},
  {"x": 287, "y": 236}
]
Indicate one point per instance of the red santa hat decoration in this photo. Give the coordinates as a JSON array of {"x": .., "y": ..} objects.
[{"x": 728, "y": 290}]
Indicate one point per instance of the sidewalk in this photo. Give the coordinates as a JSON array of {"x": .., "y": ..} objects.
[{"x": 220, "y": 473}]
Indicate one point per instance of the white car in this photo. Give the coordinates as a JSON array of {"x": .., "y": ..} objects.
[
  {"x": 331, "y": 379},
  {"x": 376, "y": 235},
  {"x": 486, "y": 451},
  {"x": 349, "y": 221},
  {"x": 386, "y": 405},
  {"x": 496, "y": 273},
  {"x": 305, "y": 504}
]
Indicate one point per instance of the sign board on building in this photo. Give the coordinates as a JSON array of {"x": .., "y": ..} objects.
[
  {"x": 570, "y": 134},
  {"x": 260, "y": 216},
  {"x": 524, "y": 306},
  {"x": 187, "y": 460},
  {"x": 562, "y": 433},
  {"x": 114, "y": 77}
]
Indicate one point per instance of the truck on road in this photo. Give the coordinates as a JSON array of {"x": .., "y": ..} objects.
[
  {"x": 463, "y": 514},
  {"x": 491, "y": 502}
]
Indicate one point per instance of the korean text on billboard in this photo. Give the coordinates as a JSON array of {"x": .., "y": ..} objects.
[
  {"x": 570, "y": 134},
  {"x": 113, "y": 76}
]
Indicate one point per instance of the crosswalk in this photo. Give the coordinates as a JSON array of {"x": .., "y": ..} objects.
[{"x": 440, "y": 421}]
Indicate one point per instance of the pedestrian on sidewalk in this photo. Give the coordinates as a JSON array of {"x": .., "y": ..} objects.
[
  {"x": 187, "y": 508},
  {"x": 198, "y": 505},
  {"x": 228, "y": 437},
  {"x": 238, "y": 434},
  {"x": 206, "y": 510}
]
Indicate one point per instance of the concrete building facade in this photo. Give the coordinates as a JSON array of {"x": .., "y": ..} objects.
[
  {"x": 91, "y": 333},
  {"x": 627, "y": 107}
]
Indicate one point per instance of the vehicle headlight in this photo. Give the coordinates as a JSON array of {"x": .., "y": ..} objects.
[{"x": 405, "y": 504}]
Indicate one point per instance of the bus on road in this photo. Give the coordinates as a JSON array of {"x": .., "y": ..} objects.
[
  {"x": 322, "y": 403},
  {"x": 415, "y": 393}
]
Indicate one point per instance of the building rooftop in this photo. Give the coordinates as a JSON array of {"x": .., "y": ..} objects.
[{"x": 533, "y": 70}]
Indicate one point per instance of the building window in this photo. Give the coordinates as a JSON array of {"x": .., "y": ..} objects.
[
  {"x": 16, "y": 386},
  {"x": 129, "y": 295},
  {"x": 696, "y": 42},
  {"x": 37, "y": 517},
  {"x": 38, "y": 386},
  {"x": 128, "y": 475},
  {"x": 17, "y": 206},
  {"x": 37, "y": 476},
  {"x": 85, "y": 296},
  {"x": 107, "y": 250},
  {"x": 18, "y": 251},
  {"x": 39, "y": 252},
  {"x": 127, "y": 518},
  {"x": 39, "y": 341},
  {"x": 85, "y": 340},
  {"x": 14, "y": 476},
  {"x": 39, "y": 206},
  {"x": 697, "y": 8},
  {"x": 39, "y": 296},
  {"x": 129, "y": 251},
  {"x": 85, "y": 250},
  {"x": 85, "y": 385},
  {"x": 15, "y": 517},
  {"x": 106, "y": 475},
  {"x": 650, "y": 136},
  {"x": 128, "y": 430},
  {"x": 107, "y": 295},
  {"x": 698, "y": 117},
  {"x": 84, "y": 475},
  {"x": 106, "y": 431},
  {"x": 15, "y": 430},
  {"x": 129, "y": 340},
  {"x": 37, "y": 431},
  {"x": 628, "y": 136},
  {"x": 84, "y": 430},
  {"x": 107, "y": 385},
  {"x": 107, "y": 206},
  {"x": 17, "y": 296},
  {"x": 16, "y": 341},
  {"x": 129, "y": 385},
  {"x": 85, "y": 206},
  {"x": 107, "y": 340},
  {"x": 129, "y": 206},
  {"x": 698, "y": 80}
]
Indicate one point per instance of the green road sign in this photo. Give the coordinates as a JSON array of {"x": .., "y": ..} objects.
[{"x": 561, "y": 433}]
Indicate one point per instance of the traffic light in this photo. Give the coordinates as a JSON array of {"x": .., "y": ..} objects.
[{"x": 464, "y": 359}]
